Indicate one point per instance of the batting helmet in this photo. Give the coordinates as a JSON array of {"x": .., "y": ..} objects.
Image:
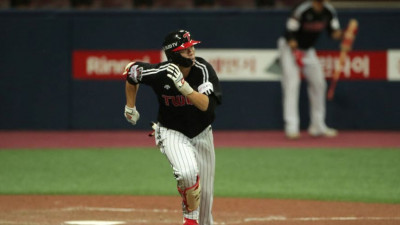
[{"x": 175, "y": 41}]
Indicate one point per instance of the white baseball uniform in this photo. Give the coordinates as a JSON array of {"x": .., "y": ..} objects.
[
  {"x": 305, "y": 26},
  {"x": 189, "y": 158}
]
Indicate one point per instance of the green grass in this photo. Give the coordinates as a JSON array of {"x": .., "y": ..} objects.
[
  {"x": 365, "y": 175},
  {"x": 84, "y": 171},
  {"x": 321, "y": 174}
]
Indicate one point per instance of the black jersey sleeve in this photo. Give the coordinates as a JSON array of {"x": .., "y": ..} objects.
[
  {"x": 134, "y": 73},
  {"x": 146, "y": 73},
  {"x": 293, "y": 23},
  {"x": 217, "y": 93},
  {"x": 334, "y": 23},
  {"x": 210, "y": 85},
  {"x": 215, "y": 97}
]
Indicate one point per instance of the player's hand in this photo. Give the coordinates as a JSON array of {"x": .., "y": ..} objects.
[
  {"x": 131, "y": 115},
  {"x": 293, "y": 44},
  {"x": 298, "y": 56},
  {"x": 175, "y": 74}
]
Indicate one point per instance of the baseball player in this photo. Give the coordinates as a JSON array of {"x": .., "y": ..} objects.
[
  {"x": 297, "y": 54},
  {"x": 188, "y": 92}
]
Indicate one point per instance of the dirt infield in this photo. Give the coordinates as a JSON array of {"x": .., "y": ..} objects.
[
  {"x": 161, "y": 210},
  {"x": 131, "y": 210}
]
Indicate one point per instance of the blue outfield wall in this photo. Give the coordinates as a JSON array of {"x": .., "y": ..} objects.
[{"x": 37, "y": 90}]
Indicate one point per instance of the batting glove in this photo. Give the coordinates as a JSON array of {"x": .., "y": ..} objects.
[
  {"x": 131, "y": 115},
  {"x": 174, "y": 73}
]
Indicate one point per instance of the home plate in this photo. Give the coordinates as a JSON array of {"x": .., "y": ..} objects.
[{"x": 93, "y": 222}]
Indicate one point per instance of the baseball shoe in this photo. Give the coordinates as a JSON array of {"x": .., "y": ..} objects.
[
  {"x": 292, "y": 135},
  {"x": 328, "y": 132},
  {"x": 189, "y": 222}
]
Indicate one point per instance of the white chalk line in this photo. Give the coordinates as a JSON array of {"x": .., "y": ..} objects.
[
  {"x": 11, "y": 222},
  {"x": 19, "y": 223},
  {"x": 93, "y": 222},
  {"x": 351, "y": 218},
  {"x": 104, "y": 209},
  {"x": 245, "y": 220}
]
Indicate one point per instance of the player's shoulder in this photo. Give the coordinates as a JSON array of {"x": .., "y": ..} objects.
[
  {"x": 204, "y": 66},
  {"x": 329, "y": 7},
  {"x": 202, "y": 62},
  {"x": 205, "y": 69},
  {"x": 300, "y": 8}
]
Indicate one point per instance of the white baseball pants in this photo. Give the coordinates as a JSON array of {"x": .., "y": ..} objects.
[
  {"x": 189, "y": 158},
  {"x": 316, "y": 88}
]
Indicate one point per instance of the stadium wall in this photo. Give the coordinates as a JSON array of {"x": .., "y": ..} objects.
[{"x": 38, "y": 89}]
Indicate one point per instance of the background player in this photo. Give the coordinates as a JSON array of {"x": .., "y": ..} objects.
[
  {"x": 297, "y": 54},
  {"x": 188, "y": 92}
]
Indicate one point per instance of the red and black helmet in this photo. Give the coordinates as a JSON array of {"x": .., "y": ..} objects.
[{"x": 175, "y": 41}]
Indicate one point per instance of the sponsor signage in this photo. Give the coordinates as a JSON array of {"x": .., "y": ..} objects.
[
  {"x": 240, "y": 64},
  {"x": 393, "y": 65},
  {"x": 359, "y": 65},
  {"x": 107, "y": 65}
]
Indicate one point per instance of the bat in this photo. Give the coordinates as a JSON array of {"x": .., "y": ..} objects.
[{"x": 345, "y": 47}]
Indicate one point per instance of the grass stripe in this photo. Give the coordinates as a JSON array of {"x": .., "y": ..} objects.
[{"x": 365, "y": 175}]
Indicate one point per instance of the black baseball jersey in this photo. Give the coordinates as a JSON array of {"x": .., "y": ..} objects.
[
  {"x": 305, "y": 25},
  {"x": 175, "y": 110}
]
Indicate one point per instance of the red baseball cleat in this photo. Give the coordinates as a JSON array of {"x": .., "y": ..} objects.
[{"x": 190, "y": 222}]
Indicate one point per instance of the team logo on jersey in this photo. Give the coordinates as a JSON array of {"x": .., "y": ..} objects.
[
  {"x": 136, "y": 73},
  {"x": 139, "y": 71},
  {"x": 316, "y": 26},
  {"x": 176, "y": 101}
]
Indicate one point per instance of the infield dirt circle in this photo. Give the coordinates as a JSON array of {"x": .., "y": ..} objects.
[{"x": 164, "y": 210}]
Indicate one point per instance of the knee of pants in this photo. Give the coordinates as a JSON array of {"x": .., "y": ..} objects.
[
  {"x": 187, "y": 177},
  {"x": 318, "y": 85},
  {"x": 292, "y": 86}
]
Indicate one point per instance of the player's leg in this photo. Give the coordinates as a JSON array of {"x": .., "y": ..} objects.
[
  {"x": 290, "y": 90},
  {"x": 180, "y": 153},
  {"x": 205, "y": 154},
  {"x": 316, "y": 87}
]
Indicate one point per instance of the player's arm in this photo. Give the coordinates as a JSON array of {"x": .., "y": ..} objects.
[
  {"x": 131, "y": 88},
  {"x": 210, "y": 94},
  {"x": 292, "y": 26},
  {"x": 211, "y": 90},
  {"x": 292, "y": 44},
  {"x": 334, "y": 25},
  {"x": 130, "y": 93},
  {"x": 201, "y": 101}
]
